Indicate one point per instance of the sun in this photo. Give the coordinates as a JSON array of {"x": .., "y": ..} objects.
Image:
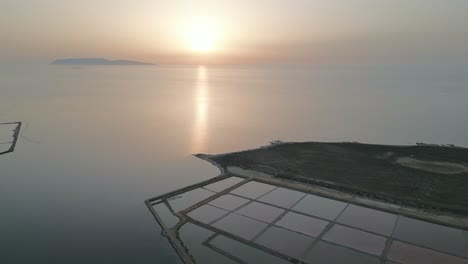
[{"x": 202, "y": 39}]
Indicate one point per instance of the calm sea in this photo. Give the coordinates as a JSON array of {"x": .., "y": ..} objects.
[{"x": 97, "y": 141}]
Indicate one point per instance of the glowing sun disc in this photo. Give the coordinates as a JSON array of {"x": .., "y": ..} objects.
[{"x": 201, "y": 39}]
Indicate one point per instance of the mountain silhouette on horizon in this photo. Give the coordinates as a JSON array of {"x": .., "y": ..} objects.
[{"x": 96, "y": 61}]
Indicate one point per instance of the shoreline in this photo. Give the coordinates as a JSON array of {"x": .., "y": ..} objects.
[{"x": 265, "y": 171}]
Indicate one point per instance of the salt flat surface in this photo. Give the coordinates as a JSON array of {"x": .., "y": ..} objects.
[
  {"x": 185, "y": 200},
  {"x": 356, "y": 239},
  {"x": 167, "y": 217},
  {"x": 368, "y": 219},
  {"x": 244, "y": 252},
  {"x": 194, "y": 236},
  {"x": 284, "y": 241},
  {"x": 240, "y": 225},
  {"x": 438, "y": 237},
  {"x": 303, "y": 224},
  {"x": 320, "y": 206},
  {"x": 326, "y": 253},
  {"x": 229, "y": 202},
  {"x": 207, "y": 213},
  {"x": 259, "y": 211},
  {"x": 224, "y": 184},
  {"x": 253, "y": 189},
  {"x": 314, "y": 229},
  {"x": 282, "y": 197},
  {"x": 410, "y": 254}
]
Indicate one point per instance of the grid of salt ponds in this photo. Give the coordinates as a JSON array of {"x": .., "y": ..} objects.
[
  {"x": 7, "y": 132},
  {"x": 308, "y": 228}
]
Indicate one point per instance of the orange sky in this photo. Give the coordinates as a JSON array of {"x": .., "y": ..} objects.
[{"x": 241, "y": 31}]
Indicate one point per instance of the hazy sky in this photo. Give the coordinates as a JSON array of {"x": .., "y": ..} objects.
[{"x": 239, "y": 30}]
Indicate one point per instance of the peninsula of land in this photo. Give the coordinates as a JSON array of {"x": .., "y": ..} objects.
[{"x": 426, "y": 177}]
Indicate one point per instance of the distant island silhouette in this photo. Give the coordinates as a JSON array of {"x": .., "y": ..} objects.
[{"x": 96, "y": 61}]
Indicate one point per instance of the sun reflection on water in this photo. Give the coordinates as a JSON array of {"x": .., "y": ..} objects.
[{"x": 201, "y": 111}]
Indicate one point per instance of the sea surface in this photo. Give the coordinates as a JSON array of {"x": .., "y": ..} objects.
[{"x": 97, "y": 141}]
